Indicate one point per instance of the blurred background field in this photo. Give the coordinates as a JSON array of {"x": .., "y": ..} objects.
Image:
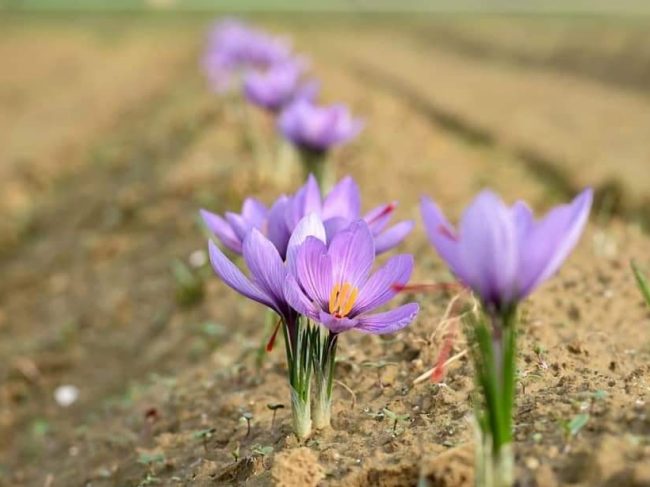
[{"x": 110, "y": 141}]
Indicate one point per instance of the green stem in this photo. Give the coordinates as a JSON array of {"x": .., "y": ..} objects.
[
  {"x": 324, "y": 360},
  {"x": 284, "y": 163},
  {"x": 495, "y": 365},
  {"x": 315, "y": 162},
  {"x": 297, "y": 346}
]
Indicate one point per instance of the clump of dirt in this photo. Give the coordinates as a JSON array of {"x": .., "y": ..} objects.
[{"x": 297, "y": 468}]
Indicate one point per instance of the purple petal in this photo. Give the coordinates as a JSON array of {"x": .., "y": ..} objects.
[
  {"x": 390, "y": 321},
  {"x": 334, "y": 324},
  {"x": 334, "y": 226},
  {"x": 234, "y": 278},
  {"x": 298, "y": 300},
  {"x": 353, "y": 253},
  {"x": 266, "y": 267},
  {"x": 307, "y": 200},
  {"x": 313, "y": 270},
  {"x": 238, "y": 224},
  {"x": 393, "y": 236},
  {"x": 442, "y": 235},
  {"x": 222, "y": 229},
  {"x": 488, "y": 249},
  {"x": 310, "y": 226},
  {"x": 378, "y": 290},
  {"x": 551, "y": 240},
  {"x": 276, "y": 225},
  {"x": 254, "y": 212},
  {"x": 343, "y": 201}
]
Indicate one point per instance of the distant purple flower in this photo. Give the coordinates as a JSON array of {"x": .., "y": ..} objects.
[
  {"x": 267, "y": 268},
  {"x": 316, "y": 129},
  {"x": 501, "y": 252},
  {"x": 333, "y": 286},
  {"x": 340, "y": 207},
  {"x": 235, "y": 48},
  {"x": 274, "y": 88},
  {"x": 233, "y": 228}
]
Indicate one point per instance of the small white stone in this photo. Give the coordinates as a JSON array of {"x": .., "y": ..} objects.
[
  {"x": 66, "y": 395},
  {"x": 198, "y": 258}
]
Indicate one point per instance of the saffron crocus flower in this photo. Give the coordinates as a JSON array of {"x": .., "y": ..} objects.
[
  {"x": 235, "y": 48},
  {"x": 332, "y": 285},
  {"x": 340, "y": 207},
  {"x": 316, "y": 129},
  {"x": 274, "y": 88},
  {"x": 502, "y": 253},
  {"x": 232, "y": 228},
  {"x": 265, "y": 285}
]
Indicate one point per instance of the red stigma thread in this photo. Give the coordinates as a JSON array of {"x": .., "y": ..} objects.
[
  {"x": 439, "y": 371},
  {"x": 389, "y": 208},
  {"x": 447, "y": 232},
  {"x": 434, "y": 287},
  {"x": 269, "y": 346}
]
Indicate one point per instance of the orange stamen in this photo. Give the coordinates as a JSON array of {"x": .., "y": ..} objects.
[{"x": 342, "y": 299}]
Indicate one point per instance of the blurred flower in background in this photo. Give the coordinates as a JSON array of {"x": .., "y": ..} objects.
[{"x": 235, "y": 48}]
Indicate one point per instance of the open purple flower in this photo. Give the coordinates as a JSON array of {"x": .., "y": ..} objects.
[
  {"x": 340, "y": 207},
  {"x": 317, "y": 129},
  {"x": 233, "y": 228},
  {"x": 333, "y": 286},
  {"x": 501, "y": 252},
  {"x": 274, "y": 88}
]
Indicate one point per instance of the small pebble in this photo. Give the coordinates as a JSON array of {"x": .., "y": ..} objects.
[
  {"x": 66, "y": 395},
  {"x": 532, "y": 463},
  {"x": 198, "y": 258}
]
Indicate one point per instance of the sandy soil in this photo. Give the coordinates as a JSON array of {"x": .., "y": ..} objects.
[{"x": 165, "y": 371}]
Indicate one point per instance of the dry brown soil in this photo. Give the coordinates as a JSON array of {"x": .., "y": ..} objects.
[{"x": 110, "y": 142}]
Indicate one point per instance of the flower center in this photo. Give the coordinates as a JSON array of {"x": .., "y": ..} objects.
[{"x": 342, "y": 298}]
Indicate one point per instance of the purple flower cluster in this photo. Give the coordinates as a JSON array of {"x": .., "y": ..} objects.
[{"x": 271, "y": 77}]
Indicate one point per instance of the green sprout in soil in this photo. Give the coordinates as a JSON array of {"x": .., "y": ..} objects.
[
  {"x": 236, "y": 455},
  {"x": 261, "y": 451},
  {"x": 572, "y": 428},
  {"x": 395, "y": 418},
  {"x": 149, "y": 480},
  {"x": 274, "y": 408},
  {"x": 204, "y": 436},
  {"x": 247, "y": 417},
  {"x": 641, "y": 281},
  {"x": 148, "y": 459}
]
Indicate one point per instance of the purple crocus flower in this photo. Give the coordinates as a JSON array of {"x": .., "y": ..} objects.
[
  {"x": 501, "y": 252},
  {"x": 234, "y": 48},
  {"x": 333, "y": 286},
  {"x": 340, "y": 207},
  {"x": 233, "y": 228},
  {"x": 316, "y": 129},
  {"x": 274, "y": 88},
  {"x": 268, "y": 271}
]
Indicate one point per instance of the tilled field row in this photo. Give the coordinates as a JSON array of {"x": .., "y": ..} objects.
[{"x": 571, "y": 131}]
